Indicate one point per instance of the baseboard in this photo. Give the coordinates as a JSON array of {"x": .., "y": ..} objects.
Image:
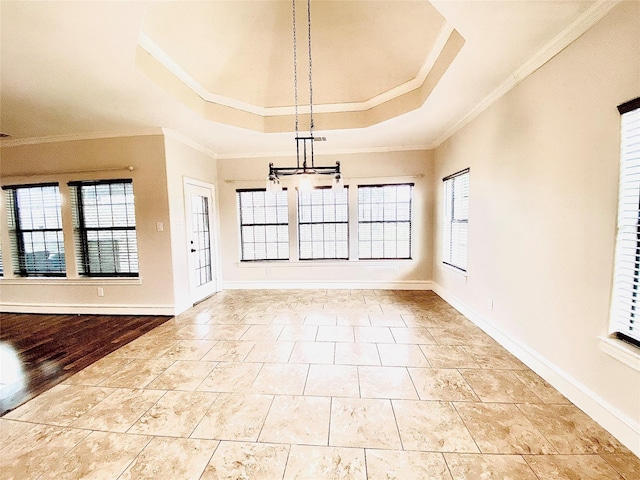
[
  {"x": 87, "y": 309},
  {"x": 308, "y": 285},
  {"x": 620, "y": 425}
]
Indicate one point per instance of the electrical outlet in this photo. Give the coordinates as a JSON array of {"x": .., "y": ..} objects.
[
  {"x": 100, "y": 292},
  {"x": 490, "y": 304}
]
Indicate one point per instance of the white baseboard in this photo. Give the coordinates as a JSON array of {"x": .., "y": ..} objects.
[
  {"x": 87, "y": 309},
  {"x": 620, "y": 425},
  {"x": 308, "y": 285}
]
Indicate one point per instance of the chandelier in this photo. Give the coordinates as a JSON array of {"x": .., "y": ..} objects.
[{"x": 305, "y": 167}]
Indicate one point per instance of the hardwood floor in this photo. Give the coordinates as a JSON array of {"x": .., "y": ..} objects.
[{"x": 39, "y": 351}]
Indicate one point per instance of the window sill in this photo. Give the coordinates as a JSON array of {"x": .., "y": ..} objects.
[
  {"x": 454, "y": 271},
  {"x": 323, "y": 263},
  {"x": 71, "y": 281},
  {"x": 621, "y": 351}
]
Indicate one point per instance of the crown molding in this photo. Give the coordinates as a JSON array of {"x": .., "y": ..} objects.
[
  {"x": 561, "y": 41},
  {"x": 80, "y": 136},
  {"x": 336, "y": 151},
  {"x": 189, "y": 143}
]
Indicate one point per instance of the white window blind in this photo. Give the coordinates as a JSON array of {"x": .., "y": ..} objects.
[
  {"x": 323, "y": 224},
  {"x": 625, "y": 301},
  {"x": 456, "y": 219},
  {"x": 264, "y": 225}
]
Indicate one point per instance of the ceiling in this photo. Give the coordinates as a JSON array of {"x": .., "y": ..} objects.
[{"x": 386, "y": 74}]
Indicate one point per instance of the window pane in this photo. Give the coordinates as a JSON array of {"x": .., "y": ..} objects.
[
  {"x": 321, "y": 213},
  {"x": 264, "y": 219},
  {"x": 456, "y": 215}
]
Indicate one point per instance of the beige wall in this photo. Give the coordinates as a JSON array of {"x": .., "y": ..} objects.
[
  {"x": 186, "y": 162},
  {"x": 96, "y": 159},
  {"x": 543, "y": 198},
  {"x": 373, "y": 168}
]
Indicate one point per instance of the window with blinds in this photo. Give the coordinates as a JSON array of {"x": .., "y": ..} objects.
[
  {"x": 323, "y": 224},
  {"x": 264, "y": 225},
  {"x": 384, "y": 221},
  {"x": 105, "y": 228},
  {"x": 624, "y": 306},
  {"x": 456, "y": 219},
  {"x": 35, "y": 226}
]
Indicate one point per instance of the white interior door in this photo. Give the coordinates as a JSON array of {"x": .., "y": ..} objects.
[{"x": 200, "y": 239}]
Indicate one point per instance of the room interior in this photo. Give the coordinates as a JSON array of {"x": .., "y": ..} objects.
[{"x": 185, "y": 95}]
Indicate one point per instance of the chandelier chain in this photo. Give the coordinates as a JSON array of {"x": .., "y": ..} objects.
[
  {"x": 310, "y": 64},
  {"x": 295, "y": 63}
]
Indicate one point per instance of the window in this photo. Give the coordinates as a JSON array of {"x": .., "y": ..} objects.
[
  {"x": 264, "y": 225},
  {"x": 456, "y": 219},
  {"x": 105, "y": 228},
  {"x": 323, "y": 224},
  {"x": 35, "y": 225},
  {"x": 624, "y": 306},
  {"x": 384, "y": 221}
]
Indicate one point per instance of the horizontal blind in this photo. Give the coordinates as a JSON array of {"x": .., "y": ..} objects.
[
  {"x": 456, "y": 219},
  {"x": 323, "y": 223},
  {"x": 624, "y": 307},
  {"x": 264, "y": 225}
]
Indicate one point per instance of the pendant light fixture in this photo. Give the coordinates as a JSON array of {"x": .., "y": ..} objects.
[{"x": 305, "y": 168}]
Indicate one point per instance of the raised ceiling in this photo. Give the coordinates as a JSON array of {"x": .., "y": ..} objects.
[{"x": 386, "y": 74}]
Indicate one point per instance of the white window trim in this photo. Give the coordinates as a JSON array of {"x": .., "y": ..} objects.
[{"x": 621, "y": 351}]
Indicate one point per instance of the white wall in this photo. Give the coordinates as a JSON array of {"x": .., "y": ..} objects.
[
  {"x": 543, "y": 198},
  {"x": 372, "y": 168},
  {"x": 152, "y": 292}
]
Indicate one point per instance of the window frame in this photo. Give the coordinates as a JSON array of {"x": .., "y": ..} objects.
[
  {"x": 311, "y": 222},
  {"x": 81, "y": 231},
  {"x": 450, "y": 220},
  {"x": 396, "y": 222},
  {"x": 241, "y": 224},
  {"x": 625, "y": 297},
  {"x": 17, "y": 232}
]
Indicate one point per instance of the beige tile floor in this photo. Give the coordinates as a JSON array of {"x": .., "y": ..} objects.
[{"x": 309, "y": 385}]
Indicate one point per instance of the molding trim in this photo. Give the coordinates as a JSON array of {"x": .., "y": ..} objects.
[
  {"x": 621, "y": 351},
  {"x": 323, "y": 152},
  {"x": 80, "y": 136},
  {"x": 561, "y": 41},
  {"x": 188, "y": 142},
  {"x": 334, "y": 285},
  {"x": 87, "y": 309},
  {"x": 620, "y": 425}
]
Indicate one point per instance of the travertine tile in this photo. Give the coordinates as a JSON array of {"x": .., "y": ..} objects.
[
  {"x": 626, "y": 464},
  {"x": 499, "y": 386},
  {"x": 373, "y": 335},
  {"x": 11, "y": 430},
  {"x": 313, "y": 352},
  {"x": 270, "y": 352},
  {"x": 194, "y": 332},
  {"x": 455, "y": 335},
  {"x": 119, "y": 411},
  {"x": 226, "y": 332},
  {"x": 432, "y": 427},
  {"x": 189, "y": 349},
  {"x": 298, "y": 333},
  {"x": 570, "y": 431},
  {"x": 488, "y": 467},
  {"x": 386, "y": 382},
  {"x": 37, "y": 451},
  {"x": 182, "y": 375},
  {"x": 332, "y": 381},
  {"x": 502, "y": 428},
  {"x": 175, "y": 458},
  {"x": 232, "y": 416},
  {"x": 230, "y": 377},
  {"x": 147, "y": 347},
  {"x": 318, "y": 318},
  {"x": 281, "y": 378},
  {"x": 565, "y": 467},
  {"x": 357, "y": 354},
  {"x": 60, "y": 406},
  {"x": 288, "y": 318},
  {"x": 176, "y": 414},
  {"x": 237, "y": 461},
  {"x": 441, "y": 384},
  {"x": 494, "y": 357},
  {"x": 228, "y": 351},
  {"x": 98, "y": 371},
  {"x": 297, "y": 420},
  {"x": 335, "y": 334},
  {"x": 263, "y": 333},
  {"x": 542, "y": 389},
  {"x": 402, "y": 355},
  {"x": 315, "y": 463},
  {"x": 354, "y": 319},
  {"x": 99, "y": 455},
  {"x": 137, "y": 373},
  {"x": 363, "y": 423},
  {"x": 412, "y": 335},
  {"x": 448, "y": 356},
  {"x": 387, "y": 320},
  {"x": 399, "y": 465}
]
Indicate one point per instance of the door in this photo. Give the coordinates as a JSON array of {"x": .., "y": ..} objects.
[{"x": 201, "y": 239}]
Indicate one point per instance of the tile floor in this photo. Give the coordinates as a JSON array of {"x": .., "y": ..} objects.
[{"x": 309, "y": 385}]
